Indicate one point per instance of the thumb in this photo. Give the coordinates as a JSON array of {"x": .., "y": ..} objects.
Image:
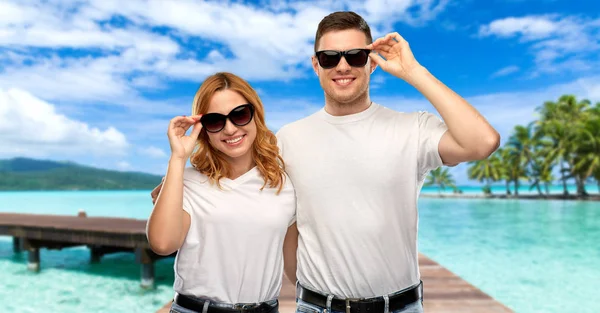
[
  {"x": 377, "y": 58},
  {"x": 196, "y": 130}
]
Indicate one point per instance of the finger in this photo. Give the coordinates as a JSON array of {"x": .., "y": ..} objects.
[
  {"x": 396, "y": 37},
  {"x": 378, "y": 42},
  {"x": 196, "y": 130},
  {"x": 378, "y": 59},
  {"x": 384, "y": 54},
  {"x": 383, "y": 47}
]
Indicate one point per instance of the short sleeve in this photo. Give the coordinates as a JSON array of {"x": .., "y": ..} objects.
[
  {"x": 279, "y": 136},
  {"x": 431, "y": 130},
  {"x": 187, "y": 203}
]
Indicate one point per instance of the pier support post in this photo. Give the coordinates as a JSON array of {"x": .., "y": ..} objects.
[
  {"x": 17, "y": 245},
  {"x": 33, "y": 259},
  {"x": 148, "y": 276},
  {"x": 96, "y": 254},
  {"x": 144, "y": 257}
]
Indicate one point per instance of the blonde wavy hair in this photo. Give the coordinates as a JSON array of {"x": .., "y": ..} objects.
[{"x": 265, "y": 152}]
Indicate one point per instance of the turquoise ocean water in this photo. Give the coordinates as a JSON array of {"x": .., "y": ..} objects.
[{"x": 531, "y": 255}]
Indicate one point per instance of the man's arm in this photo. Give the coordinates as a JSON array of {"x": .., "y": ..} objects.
[{"x": 469, "y": 137}]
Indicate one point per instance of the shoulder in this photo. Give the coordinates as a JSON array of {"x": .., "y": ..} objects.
[
  {"x": 390, "y": 115},
  {"x": 298, "y": 125},
  {"x": 192, "y": 176}
]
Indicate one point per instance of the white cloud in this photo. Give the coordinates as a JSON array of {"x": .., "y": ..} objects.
[
  {"x": 559, "y": 43},
  {"x": 506, "y": 71},
  {"x": 272, "y": 42},
  {"x": 32, "y": 127},
  {"x": 153, "y": 152}
]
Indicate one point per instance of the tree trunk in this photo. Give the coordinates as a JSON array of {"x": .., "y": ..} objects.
[
  {"x": 517, "y": 187},
  {"x": 564, "y": 179},
  {"x": 581, "y": 186},
  {"x": 539, "y": 189},
  {"x": 547, "y": 188},
  {"x": 508, "y": 187}
]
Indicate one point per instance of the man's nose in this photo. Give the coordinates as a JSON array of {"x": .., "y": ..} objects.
[{"x": 343, "y": 66}]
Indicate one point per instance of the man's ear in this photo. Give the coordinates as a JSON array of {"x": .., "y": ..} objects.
[{"x": 315, "y": 64}]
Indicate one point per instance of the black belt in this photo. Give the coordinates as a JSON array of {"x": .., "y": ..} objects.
[
  {"x": 370, "y": 305},
  {"x": 198, "y": 306}
]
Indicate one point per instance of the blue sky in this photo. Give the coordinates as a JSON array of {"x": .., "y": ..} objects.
[{"x": 96, "y": 82}]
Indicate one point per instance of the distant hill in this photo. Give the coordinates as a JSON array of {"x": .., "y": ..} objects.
[{"x": 31, "y": 174}]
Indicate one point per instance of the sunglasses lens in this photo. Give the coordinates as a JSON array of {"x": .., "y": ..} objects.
[
  {"x": 241, "y": 115},
  {"x": 357, "y": 57},
  {"x": 329, "y": 59},
  {"x": 213, "y": 122}
]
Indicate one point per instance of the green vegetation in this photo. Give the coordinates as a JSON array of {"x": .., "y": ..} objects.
[
  {"x": 30, "y": 174},
  {"x": 566, "y": 137},
  {"x": 442, "y": 178}
]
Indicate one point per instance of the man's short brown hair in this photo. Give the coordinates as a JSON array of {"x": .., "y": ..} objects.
[{"x": 342, "y": 21}]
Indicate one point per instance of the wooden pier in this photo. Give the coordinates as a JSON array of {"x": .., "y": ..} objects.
[
  {"x": 444, "y": 292},
  {"x": 32, "y": 232}
]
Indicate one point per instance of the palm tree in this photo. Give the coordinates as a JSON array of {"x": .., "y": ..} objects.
[
  {"x": 488, "y": 170},
  {"x": 587, "y": 156},
  {"x": 523, "y": 142},
  {"x": 561, "y": 123},
  {"x": 504, "y": 155},
  {"x": 442, "y": 178}
]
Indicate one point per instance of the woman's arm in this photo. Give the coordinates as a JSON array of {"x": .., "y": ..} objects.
[{"x": 168, "y": 224}]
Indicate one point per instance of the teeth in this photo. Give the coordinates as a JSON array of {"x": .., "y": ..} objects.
[
  {"x": 344, "y": 81},
  {"x": 234, "y": 140}
]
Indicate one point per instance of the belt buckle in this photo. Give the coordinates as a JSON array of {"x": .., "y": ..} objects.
[{"x": 244, "y": 306}]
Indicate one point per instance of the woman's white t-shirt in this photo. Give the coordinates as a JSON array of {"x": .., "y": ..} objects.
[{"x": 233, "y": 250}]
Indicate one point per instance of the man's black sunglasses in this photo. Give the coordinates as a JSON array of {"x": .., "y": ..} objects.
[
  {"x": 330, "y": 58},
  {"x": 240, "y": 116}
]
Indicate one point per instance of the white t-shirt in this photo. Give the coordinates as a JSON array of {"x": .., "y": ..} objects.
[
  {"x": 357, "y": 180},
  {"x": 233, "y": 250}
]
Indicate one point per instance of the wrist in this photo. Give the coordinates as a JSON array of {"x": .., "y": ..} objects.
[
  {"x": 417, "y": 75},
  {"x": 177, "y": 162}
]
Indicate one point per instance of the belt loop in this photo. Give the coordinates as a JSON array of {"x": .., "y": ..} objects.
[
  {"x": 387, "y": 304},
  {"x": 205, "y": 307},
  {"x": 329, "y": 297}
]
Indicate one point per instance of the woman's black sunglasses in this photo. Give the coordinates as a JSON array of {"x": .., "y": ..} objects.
[
  {"x": 330, "y": 58},
  {"x": 240, "y": 116}
]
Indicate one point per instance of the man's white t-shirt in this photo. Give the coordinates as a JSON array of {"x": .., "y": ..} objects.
[
  {"x": 233, "y": 250},
  {"x": 357, "y": 180}
]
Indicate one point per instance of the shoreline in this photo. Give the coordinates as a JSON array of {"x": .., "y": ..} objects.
[{"x": 591, "y": 197}]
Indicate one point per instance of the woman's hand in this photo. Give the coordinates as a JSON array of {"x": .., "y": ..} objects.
[{"x": 182, "y": 145}]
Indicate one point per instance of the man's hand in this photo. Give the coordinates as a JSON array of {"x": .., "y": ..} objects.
[
  {"x": 156, "y": 191},
  {"x": 399, "y": 59}
]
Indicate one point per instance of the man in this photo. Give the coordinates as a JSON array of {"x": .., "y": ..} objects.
[{"x": 358, "y": 167}]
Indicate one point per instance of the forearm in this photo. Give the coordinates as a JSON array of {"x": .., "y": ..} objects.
[
  {"x": 165, "y": 225},
  {"x": 468, "y": 127}
]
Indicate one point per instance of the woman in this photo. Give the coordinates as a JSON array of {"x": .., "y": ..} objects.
[{"x": 228, "y": 214}]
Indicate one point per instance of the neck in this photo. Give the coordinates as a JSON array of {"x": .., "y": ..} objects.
[
  {"x": 240, "y": 166},
  {"x": 337, "y": 108}
]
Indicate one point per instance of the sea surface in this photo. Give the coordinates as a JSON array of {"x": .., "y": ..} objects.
[{"x": 532, "y": 255}]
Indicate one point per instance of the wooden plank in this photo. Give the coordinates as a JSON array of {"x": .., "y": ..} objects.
[
  {"x": 444, "y": 292},
  {"x": 65, "y": 222}
]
